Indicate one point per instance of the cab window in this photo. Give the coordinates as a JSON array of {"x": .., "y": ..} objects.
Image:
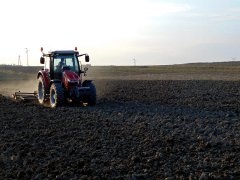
[{"x": 68, "y": 61}]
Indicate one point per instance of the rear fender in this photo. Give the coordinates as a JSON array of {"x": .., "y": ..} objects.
[
  {"x": 45, "y": 77},
  {"x": 40, "y": 73}
]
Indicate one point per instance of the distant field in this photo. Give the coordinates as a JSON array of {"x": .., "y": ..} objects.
[
  {"x": 197, "y": 71},
  {"x": 213, "y": 71},
  {"x": 17, "y": 72}
]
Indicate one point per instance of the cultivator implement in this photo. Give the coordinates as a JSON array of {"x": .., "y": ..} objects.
[{"x": 25, "y": 96}]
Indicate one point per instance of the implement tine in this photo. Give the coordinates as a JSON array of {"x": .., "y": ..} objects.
[{"x": 25, "y": 95}]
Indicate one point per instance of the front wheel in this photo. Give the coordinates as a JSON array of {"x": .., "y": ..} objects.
[
  {"x": 56, "y": 95},
  {"x": 92, "y": 97}
]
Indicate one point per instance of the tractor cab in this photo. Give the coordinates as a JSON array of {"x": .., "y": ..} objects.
[
  {"x": 57, "y": 62},
  {"x": 62, "y": 62}
]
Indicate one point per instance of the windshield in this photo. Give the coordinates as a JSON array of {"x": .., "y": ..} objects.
[{"x": 69, "y": 62}]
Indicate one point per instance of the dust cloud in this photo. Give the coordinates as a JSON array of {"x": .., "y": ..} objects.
[{"x": 7, "y": 88}]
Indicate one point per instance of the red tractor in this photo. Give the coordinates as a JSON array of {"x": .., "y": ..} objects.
[{"x": 61, "y": 79}]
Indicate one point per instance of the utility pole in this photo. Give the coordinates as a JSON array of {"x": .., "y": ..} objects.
[
  {"x": 27, "y": 55},
  {"x": 19, "y": 60},
  {"x": 134, "y": 62}
]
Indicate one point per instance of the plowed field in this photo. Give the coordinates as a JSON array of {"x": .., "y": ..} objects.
[{"x": 138, "y": 130}]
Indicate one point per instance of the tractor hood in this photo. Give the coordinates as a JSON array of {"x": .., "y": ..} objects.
[{"x": 70, "y": 76}]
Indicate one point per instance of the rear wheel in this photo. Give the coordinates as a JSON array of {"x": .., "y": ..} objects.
[
  {"x": 56, "y": 95},
  {"x": 41, "y": 91},
  {"x": 92, "y": 98}
]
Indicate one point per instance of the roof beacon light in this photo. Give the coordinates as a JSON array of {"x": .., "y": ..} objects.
[{"x": 75, "y": 48}]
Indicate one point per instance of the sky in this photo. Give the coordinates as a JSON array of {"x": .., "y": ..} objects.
[{"x": 115, "y": 32}]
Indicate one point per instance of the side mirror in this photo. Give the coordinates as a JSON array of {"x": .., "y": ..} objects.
[
  {"x": 42, "y": 60},
  {"x": 87, "y": 58}
]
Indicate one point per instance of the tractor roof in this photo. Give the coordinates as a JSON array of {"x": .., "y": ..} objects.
[
  {"x": 61, "y": 52},
  {"x": 64, "y": 52}
]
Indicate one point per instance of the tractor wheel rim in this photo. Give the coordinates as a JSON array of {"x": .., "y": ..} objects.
[
  {"x": 40, "y": 91},
  {"x": 53, "y": 97}
]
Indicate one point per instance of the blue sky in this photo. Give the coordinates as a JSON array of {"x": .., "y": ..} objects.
[{"x": 113, "y": 32}]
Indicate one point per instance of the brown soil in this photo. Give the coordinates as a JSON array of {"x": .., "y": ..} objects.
[{"x": 138, "y": 130}]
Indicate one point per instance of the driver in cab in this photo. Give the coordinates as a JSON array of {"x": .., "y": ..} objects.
[{"x": 60, "y": 65}]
